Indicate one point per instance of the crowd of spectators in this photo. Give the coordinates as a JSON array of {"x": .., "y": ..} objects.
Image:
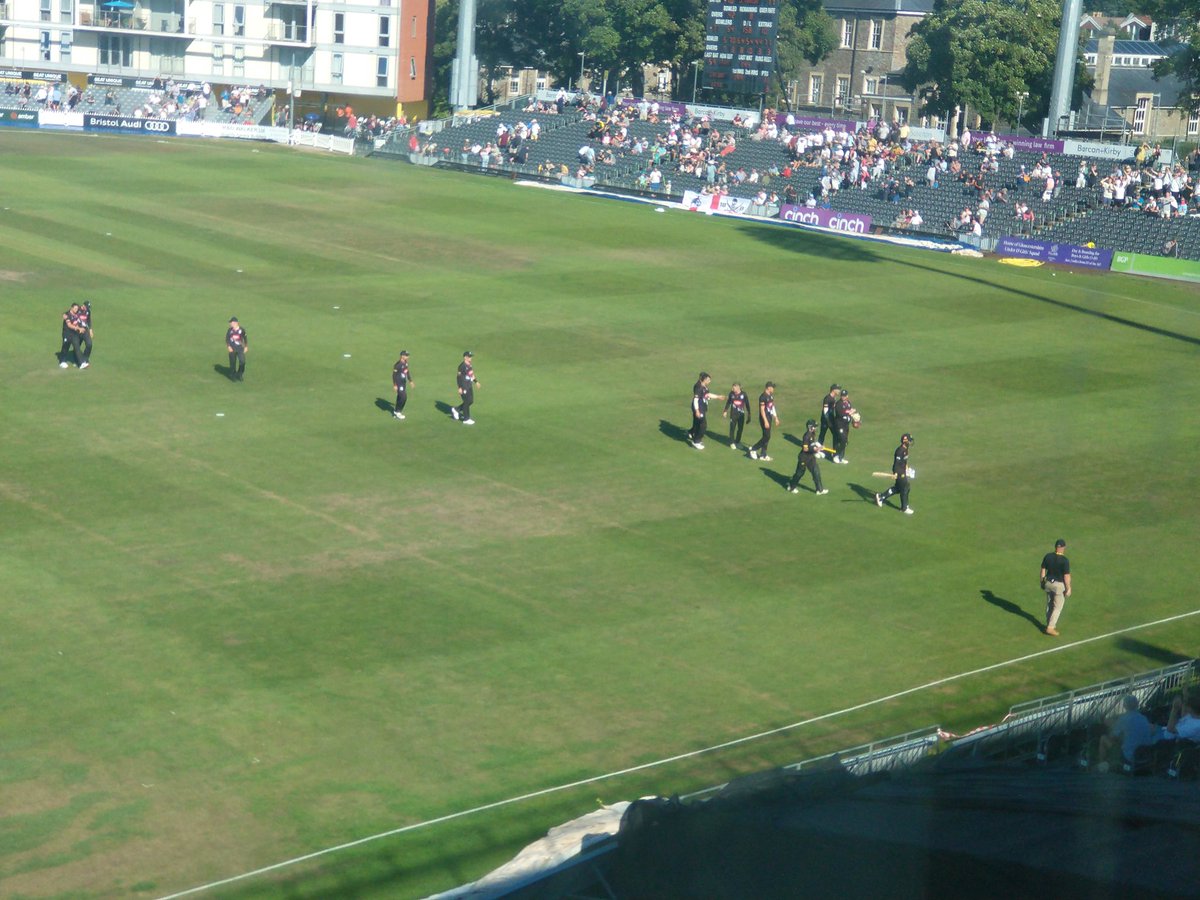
[{"x": 1133, "y": 742}]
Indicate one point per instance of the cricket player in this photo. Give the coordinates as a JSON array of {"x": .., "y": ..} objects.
[
  {"x": 401, "y": 381},
  {"x": 901, "y": 474},
  {"x": 238, "y": 345},
  {"x": 767, "y": 419},
  {"x": 467, "y": 382},
  {"x": 806, "y": 461}
]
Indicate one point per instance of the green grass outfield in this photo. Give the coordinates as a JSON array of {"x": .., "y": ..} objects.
[{"x": 228, "y": 641}]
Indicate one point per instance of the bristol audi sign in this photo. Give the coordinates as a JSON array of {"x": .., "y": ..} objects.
[{"x": 128, "y": 124}]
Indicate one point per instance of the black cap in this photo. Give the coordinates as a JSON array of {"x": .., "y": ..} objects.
[
  {"x": 233, "y": 318},
  {"x": 1059, "y": 543},
  {"x": 468, "y": 353},
  {"x": 907, "y": 437},
  {"x": 835, "y": 387},
  {"x": 811, "y": 423},
  {"x": 404, "y": 353},
  {"x": 845, "y": 393}
]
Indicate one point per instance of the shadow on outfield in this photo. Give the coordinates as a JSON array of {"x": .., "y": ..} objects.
[
  {"x": 443, "y": 407},
  {"x": 1062, "y": 304},
  {"x": 1009, "y": 607},
  {"x": 224, "y": 370},
  {"x": 1160, "y": 655},
  {"x": 385, "y": 405},
  {"x": 778, "y": 477},
  {"x": 792, "y": 439},
  {"x": 864, "y": 493},
  {"x": 673, "y": 431},
  {"x": 813, "y": 243}
]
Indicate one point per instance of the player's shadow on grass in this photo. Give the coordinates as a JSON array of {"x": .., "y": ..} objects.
[
  {"x": 224, "y": 370},
  {"x": 673, "y": 431},
  {"x": 385, "y": 405},
  {"x": 792, "y": 439},
  {"x": 778, "y": 477},
  {"x": 1160, "y": 655},
  {"x": 864, "y": 493},
  {"x": 443, "y": 407},
  {"x": 1009, "y": 607}
]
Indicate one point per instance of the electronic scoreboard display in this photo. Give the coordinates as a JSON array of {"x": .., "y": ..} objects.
[{"x": 739, "y": 45}]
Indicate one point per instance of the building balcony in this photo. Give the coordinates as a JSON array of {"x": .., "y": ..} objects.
[
  {"x": 136, "y": 19},
  {"x": 283, "y": 33}
]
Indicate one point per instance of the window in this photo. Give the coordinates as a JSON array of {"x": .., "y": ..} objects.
[
  {"x": 870, "y": 85},
  {"x": 239, "y": 21},
  {"x": 847, "y": 33},
  {"x": 412, "y": 68},
  {"x": 901, "y": 115},
  {"x": 1139, "y": 115},
  {"x": 115, "y": 50},
  {"x": 514, "y": 85},
  {"x": 876, "y": 34},
  {"x": 336, "y": 67},
  {"x": 218, "y": 18},
  {"x": 541, "y": 81},
  {"x": 1194, "y": 123},
  {"x": 381, "y": 72},
  {"x": 239, "y": 60},
  {"x": 45, "y": 46},
  {"x": 815, "y": 86},
  {"x": 218, "y": 64},
  {"x": 45, "y": 10},
  {"x": 339, "y": 28},
  {"x": 843, "y": 90},
  {"x": 874, "y": 112},
  {"x": 64, "y": 46},
  {"x": 385, "y": 25},
  {"x": 414, "y": 26},
  {"x": 66, "y": 12}
]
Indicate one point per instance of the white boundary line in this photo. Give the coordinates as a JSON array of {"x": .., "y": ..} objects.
[{"x": 671, "y": 759}]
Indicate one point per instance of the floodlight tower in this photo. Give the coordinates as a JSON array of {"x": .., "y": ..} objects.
[
  {"x": 464, "y": 71},
  {"x": 1064, "y": 67}
]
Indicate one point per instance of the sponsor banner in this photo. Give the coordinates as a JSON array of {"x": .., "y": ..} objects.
[
  {"x": 107, "y": 80},
  {"x": 851, "y": 223},
  {"x": 1029, "y": 142},
  {"x": 724, "y": 113},
  {"x": 665, "y": 107},
  {"x": 19, "y": 118},
  {"x": 1096, "y": 150},
  {"x": 144, "y": 84},
  {"x": 50, "y": 119},
  {"x": 31, "y": 75},
  {"x": 814, "y": 123},
  {"x": 128, "y": 124},
  {"x": 231, "y": 130},
  {"x": 1065, "y": 254},
  {"x": 916, "y": 133},
  {"x": 1156, "y": 266},
  {"x": 713, "y": 203}
]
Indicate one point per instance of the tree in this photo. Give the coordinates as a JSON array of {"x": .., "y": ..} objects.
[
  {"x": 1181, "y": 20},
  {"x": 984, "y": 54}
]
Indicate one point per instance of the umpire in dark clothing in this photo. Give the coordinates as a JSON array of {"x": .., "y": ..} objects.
[{"x": 810, "y": 449}]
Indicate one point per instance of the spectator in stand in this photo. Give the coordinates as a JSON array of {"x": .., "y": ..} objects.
[
  {"x": 1184, "y": 720},
  {"x": 1131, "y": 730}
]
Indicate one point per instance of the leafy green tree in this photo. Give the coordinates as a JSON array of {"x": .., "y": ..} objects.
[
  {"x": 1181, "y": 20},
  {"x": 983, "y": 55}
]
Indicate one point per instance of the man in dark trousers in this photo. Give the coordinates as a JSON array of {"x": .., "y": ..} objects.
[
  {"x": 1056, "y": 582},
  {"x": 810, "y": 449},
  {"x": 843, "y": 417},
  {"x": 737, "y": 410},
  {"x": 401, "y": 381},
  {"x": 828, "y": 409},
  {"x": 900, "y": 475},
  {"x": 466, "y": 389},
  {"x": 700, "y": 397},
  {"x": 767, "y": 419},
  {"x": 74, "y": 329},
  {"x": 237, "y": 345}
]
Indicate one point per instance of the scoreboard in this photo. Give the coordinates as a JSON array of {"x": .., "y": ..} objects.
[{"x": 739, "y": 45}]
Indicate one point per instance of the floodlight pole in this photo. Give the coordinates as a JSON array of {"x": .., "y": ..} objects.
[{"x": 695, "y": 79}]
